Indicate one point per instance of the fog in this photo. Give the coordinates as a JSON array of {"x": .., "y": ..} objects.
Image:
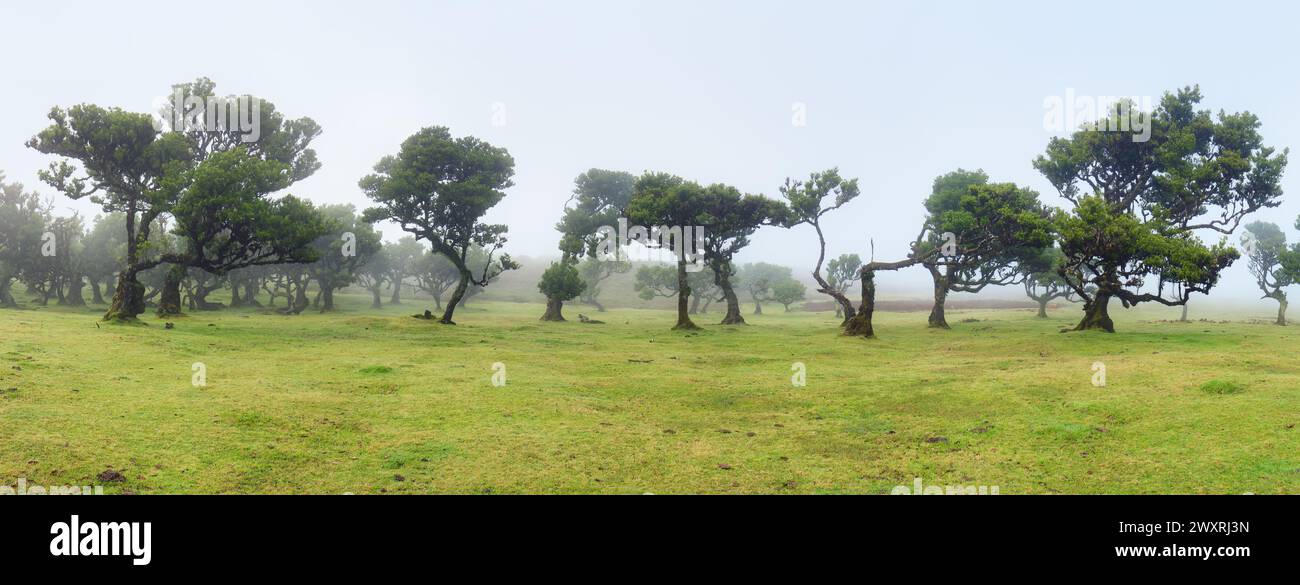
[{"x": 746, "y": 93}]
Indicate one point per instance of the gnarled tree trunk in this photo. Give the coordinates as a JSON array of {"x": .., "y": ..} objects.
[
  {"x": 75, "y": 287},
  {"x": 733, "y": 316},
  {"x": 169, "y": 304},
  {"x": 554, "y": 308},
  {"x": 1095, "y": 314},
  {"x": 859, "y": 322},
  {"x": 683, "y": 294},
  {"x": 937, "y": 319},
  {"x": 1042, "y": 308}
]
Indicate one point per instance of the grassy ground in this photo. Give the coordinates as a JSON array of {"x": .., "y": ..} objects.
[{"x": 373, "y": 401}]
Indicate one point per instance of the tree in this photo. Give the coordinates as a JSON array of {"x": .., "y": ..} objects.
[
  {"x": 1138, "y": 204},
  {"x": 22, "y": 223},
  {"x": 126, "y": 166},
  {"x": 560, "y": 282},
  {"x": 434, "y": 274},
  {"x": 403, "y": 259},
  {"x": 808, "y": 203},
  {"x": 480, "y": 263},
  {"x": 660, "y": 280},
  {"x": 730, "y": 218},
  {"x": 593, "y": 272},
  {"x": 103, "y": 254},
  {"x": 675, "y": 210},
  {"x": 1042, "y": 280},
  {"x": 225, "y": 219},
  {"x": 350, "y": 242},
  {"x": 841, "y": 273},
  {"x": 137, "y": 165},
  {"x": 437, "y": 188},
  {"x": 788, "y": 292},
  {"x": 1265, "y": 245},
  {"x": 374, "y": 274},
  {"x": 757, "y": 279},
  {"x": 598, "y": 200},
  {"x": 982, "y": 232}
]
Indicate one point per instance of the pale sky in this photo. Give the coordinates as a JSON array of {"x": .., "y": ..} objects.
[{"x": 895, "y": 93}]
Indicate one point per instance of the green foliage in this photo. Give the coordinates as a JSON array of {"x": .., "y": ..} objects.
[
  {"x": 660, "y": 280},
  {"x": 1137, "y": 203},
  {"x": 229, "y": 221},
  {"x": 758, "y": 278},
  {"x": 949, "y": 188},
  {"x": 348, "y": 244},
  {"x": 22, "y": 222},
  {"x": 995, "y": 226},
  {"x": 1270, "y": 261},
  {"x": 561, "y": 282},
  {"x": 788, "y": 292},
  {"x": 807, "y": 200},
  {"x": 843, "y": 271},
  {"x": 1136, "y": 249},
  {"x": 655, "y": 280},
  {"x": 598, "y": 200},
  {"x": 438, "y": 187}
]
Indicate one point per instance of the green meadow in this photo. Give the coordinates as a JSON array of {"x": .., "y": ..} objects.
[{"x": 373, "y": 401}]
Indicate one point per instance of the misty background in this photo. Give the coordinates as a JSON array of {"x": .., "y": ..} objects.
[{"x": 892, "y": 93}]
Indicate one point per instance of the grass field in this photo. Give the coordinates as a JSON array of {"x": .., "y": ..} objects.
[{"x": 368, "y": 401}]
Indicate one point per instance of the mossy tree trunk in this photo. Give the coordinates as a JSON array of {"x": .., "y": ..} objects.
[
  {"x": 859, "y": 323},
  {"x": 554, "y": 310},
  {"x": 1096, "y": 315},
  {"x": 169, "y": 303}
]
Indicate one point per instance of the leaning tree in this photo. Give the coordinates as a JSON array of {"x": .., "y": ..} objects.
[
  {"x": 438, "y": 188},
  {"x": 1137, "y": 204},
  {"x": 1268, "y": 259},
  {"x": 808, "y": 201},
  {"x": 841, "y": 273}
]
